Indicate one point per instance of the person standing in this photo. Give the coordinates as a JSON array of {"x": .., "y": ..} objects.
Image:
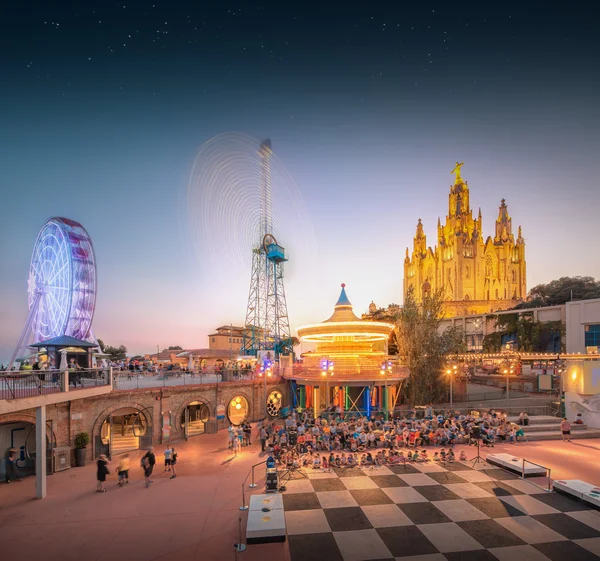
[
  {"x": 231, "y": 434},
  {"x": 173, "y": 462},
  {"x": 123, "y": 470},
  {"x": 565, "y": 428},
  {"x": 263, "y": 438},
  {"x": 101, "y": 473},
  {"x": 148, "y": 462},
  {"x": 168, "y": 459},
  {"x": 11, "y": 466}
]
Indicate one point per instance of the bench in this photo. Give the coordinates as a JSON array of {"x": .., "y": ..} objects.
[
  {"x": 266, "y": 519},
  {"x": 515, "y": 465},
  {"x": 578, "y": 489}
]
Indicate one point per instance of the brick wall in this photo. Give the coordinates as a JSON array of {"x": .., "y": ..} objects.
[{"x": 87, "y": 415}]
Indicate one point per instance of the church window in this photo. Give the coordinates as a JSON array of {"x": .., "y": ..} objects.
[
  {"x": 488, "y": 265},
  {"x": 467, "y": 272},
  {"x": 467, "y": 297},
  {"x": 514, "y": 275}
]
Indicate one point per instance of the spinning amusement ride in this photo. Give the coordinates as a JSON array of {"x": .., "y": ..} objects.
[
  {"x": 61, "y": 286},
  {"x": 237, "y": 192}
]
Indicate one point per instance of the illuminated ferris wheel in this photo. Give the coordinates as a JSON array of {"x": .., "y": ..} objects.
[{"x": 61, "y": 285}]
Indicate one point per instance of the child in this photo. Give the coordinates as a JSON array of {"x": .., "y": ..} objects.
[
  {"x": 443, "y": 456},
  {"x": 123, "y": 470},
  {"x": 324, "y": 462},
  {"x": 451, "y": 457},
  {"x": 350, "y": 460},
  {"x": 463, "y": 456},
  {"x": 424, "y": 456},
  {"x": 316, "y": 462},
  {"x": 436, "y": 457},
  {"x": 168, "y": 459}
]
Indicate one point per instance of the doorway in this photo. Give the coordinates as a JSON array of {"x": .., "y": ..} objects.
[
  {"x": 194, "y": 418},
  {"x": 124, "y": 430}
]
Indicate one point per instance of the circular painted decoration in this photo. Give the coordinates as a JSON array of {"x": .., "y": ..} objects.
[
  {"x": 274, "y": 403},
  {"x": 237, "y": 410}
]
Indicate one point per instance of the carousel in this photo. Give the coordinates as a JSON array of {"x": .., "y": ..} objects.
[{"x": 349, "y": 368}]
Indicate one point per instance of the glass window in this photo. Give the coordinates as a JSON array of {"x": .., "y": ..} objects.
[
  {"x": 592, "y": 335},
  {"x": 237, "y": 411}
]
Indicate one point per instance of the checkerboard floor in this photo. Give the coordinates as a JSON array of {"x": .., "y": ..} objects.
[{"x": 432, "y": 512}]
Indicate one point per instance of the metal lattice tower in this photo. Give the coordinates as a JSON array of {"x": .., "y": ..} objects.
[{"x": 267, "y": 327}]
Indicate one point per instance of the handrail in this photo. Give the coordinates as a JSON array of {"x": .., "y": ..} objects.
[
  {"x": 251, "y": 471},
  {"x": 538, "y": 465}
]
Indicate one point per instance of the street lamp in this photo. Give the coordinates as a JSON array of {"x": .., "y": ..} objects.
[
  {"x": 449, "y": 372},
  {"x": 327, "y": 372}
]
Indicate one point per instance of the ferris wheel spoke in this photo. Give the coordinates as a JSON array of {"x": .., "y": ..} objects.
[{"x": 51, "y": 280}]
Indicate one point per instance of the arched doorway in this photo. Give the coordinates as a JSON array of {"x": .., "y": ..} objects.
[
  {"x": 124, "y": 430},
  {"x": 20, "y": 435},
  {"x": 194, "y": 418},
  {"x": 237, "y": 410}
]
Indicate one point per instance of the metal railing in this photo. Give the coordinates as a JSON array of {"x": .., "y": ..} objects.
[
  {"x": 549, "y": 487},
  {"x": 20, "y": 384},
  {"x": 128, "y": 380},
  {"x": 251, "y": 485}
]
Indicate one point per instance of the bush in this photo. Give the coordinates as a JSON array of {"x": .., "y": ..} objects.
[{"x": 82, "y": 440}]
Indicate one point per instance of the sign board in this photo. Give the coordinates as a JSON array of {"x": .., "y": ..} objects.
[
  {"x": 220, "y": 412},
  {"x": 166, "y": 428}
]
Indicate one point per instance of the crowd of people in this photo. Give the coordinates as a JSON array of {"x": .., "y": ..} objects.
[{"x": 301, "y": 440}]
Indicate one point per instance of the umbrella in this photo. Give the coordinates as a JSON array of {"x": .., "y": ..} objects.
[
  {"x": 63, "y": 360},
  {"x": 72, "y": 350},
  {"x": 191, "y": 363}
]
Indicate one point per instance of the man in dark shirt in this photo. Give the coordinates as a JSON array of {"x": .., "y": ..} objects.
[{"x": 148, "y": 462}]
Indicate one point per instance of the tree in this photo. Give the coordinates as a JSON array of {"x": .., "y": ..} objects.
[
  {"x": 531, "y": 336},
  {"x": 561, "y": 291},
  {"x": 116, "y": 353},
  {"x": 423, "y": 348},
  {"x": 175, "y": 348}
]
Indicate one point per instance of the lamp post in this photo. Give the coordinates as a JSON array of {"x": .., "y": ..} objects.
[
  {"x": 449, "y": 372},
  {"x": 326, "y": 372}
]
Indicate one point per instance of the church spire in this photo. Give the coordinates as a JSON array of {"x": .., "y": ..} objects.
[
  {"x": 420, "y": 241},
  {"x": 503, "y": 224}
]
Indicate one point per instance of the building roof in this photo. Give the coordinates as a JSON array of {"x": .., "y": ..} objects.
[
  {"x": 204, "y": 353},
  {"x": 64, "y": 341},
  {"x": 232, "y": 327}
]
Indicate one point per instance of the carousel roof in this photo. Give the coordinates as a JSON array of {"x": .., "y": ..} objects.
[{"x": 345, "y": 322}]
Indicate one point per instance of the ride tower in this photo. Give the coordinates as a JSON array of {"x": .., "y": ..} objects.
[{"x": 267, "y": 326}]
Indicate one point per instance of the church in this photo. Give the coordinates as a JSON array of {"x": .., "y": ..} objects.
[{"x": 475, "y": 276}]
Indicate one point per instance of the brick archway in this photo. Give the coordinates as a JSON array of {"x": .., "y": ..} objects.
[
  {"x": 185, "y": 404},
  {"x": 145, "y": 410},
  {"x": 20, "y": 417}
]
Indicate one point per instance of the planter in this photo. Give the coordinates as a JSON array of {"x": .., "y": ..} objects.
[{"x": 80, "y": 454}]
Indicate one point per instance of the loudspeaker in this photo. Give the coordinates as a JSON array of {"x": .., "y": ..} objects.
[
  {"x": 476, "y": 433},
  {"x": 293, "y": 438},
  {"x": 271, "y": 482}
]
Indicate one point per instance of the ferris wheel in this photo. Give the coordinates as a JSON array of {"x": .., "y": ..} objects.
[{"x": 61, "y": 285}]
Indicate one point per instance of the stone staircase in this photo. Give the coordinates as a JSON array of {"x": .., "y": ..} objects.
[
  {"x": 546, "y": 427},
  {"x": 124, "y": 443}
]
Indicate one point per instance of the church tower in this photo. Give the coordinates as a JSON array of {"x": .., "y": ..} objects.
[{"x": 474, "y": 277}]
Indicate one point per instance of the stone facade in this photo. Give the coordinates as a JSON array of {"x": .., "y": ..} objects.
[{"x": 475, "y": 277}]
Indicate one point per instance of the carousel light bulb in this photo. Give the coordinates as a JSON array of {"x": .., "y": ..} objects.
[{"x": 238, "y": 405}]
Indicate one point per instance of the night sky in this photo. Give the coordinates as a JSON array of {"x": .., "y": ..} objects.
[{"x": 368, "y": 105}]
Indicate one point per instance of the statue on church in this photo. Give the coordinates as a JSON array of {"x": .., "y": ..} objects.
[{"x": 456, "y": 171}]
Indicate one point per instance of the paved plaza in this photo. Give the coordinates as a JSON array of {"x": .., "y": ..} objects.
[{"x": 427, "y": 512}]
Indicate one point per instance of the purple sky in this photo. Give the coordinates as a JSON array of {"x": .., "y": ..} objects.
[{"x": 368, "y": 118}]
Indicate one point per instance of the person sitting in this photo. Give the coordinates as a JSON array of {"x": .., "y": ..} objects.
[
  {"x": 316, "y": 464},
  {"x": 338, "y": 461},
  {"x": 436, "y": 456},
  {"x": 523, "y": 418},
  {"x": 463, "y": 456},
  {"x": 443, "y": 456},
  {"x": 424, "y": 456},
  {"x": 350, "y": 461},
  {"x": 369, "y": 459},
  {"x": 578, "y": 419},
  {"x": 450, "y": 457}
]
